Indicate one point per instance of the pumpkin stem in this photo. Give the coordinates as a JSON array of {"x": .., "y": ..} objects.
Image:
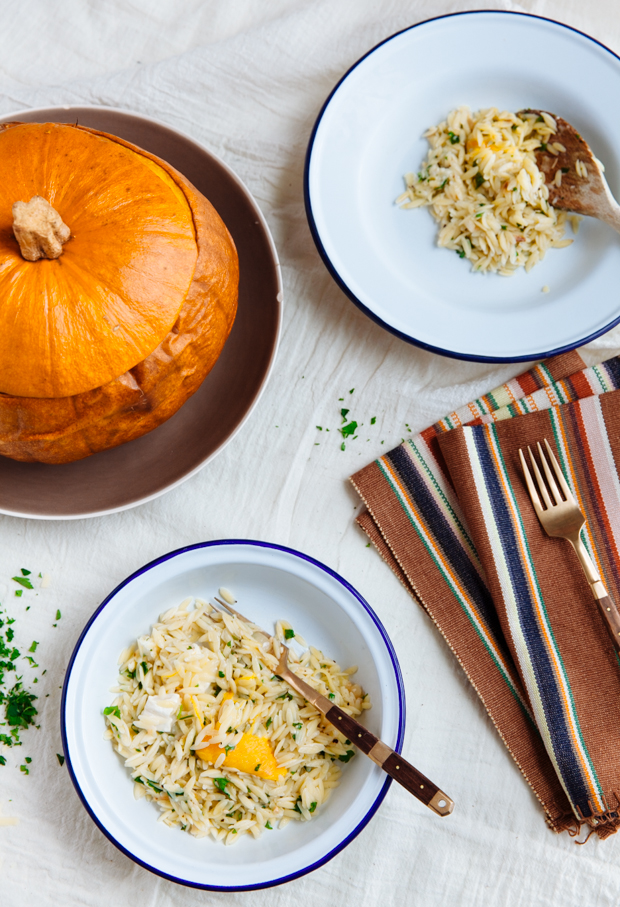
[{"x": 39, "y": 229}]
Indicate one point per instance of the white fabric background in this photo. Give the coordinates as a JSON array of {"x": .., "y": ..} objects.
[{"x": 248, "y": 79}]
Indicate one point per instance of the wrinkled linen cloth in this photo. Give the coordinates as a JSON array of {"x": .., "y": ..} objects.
[
  {"x": 450, "y": 513},
  {"x": 247, "y": 80}
]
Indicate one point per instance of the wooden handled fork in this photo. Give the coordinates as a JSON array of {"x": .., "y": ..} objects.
[
  {"x": 563, "y": 519},
  {"x": 381, "y": 754}
]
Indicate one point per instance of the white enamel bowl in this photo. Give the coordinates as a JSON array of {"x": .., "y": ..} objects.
[
  {"x": 370, "y": 133},
  {"x": 269, "y": 582}
]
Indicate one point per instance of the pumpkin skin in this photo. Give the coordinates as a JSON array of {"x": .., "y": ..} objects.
[{"x": 65, "y": 428}]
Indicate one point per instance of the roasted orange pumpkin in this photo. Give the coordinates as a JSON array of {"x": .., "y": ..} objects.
[{"x": 104, "y": 342}]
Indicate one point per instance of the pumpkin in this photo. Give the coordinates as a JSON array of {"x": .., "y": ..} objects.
[{"x": 118, "y": 289}]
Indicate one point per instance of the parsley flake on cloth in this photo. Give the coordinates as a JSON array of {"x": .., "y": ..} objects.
[{"x": 16, "y": 701}]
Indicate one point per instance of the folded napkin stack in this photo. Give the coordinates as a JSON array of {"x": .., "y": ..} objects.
[{"x": 449, "y": 511}]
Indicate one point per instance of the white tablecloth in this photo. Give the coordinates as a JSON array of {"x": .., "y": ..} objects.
[{"x": 247, "y": 79}]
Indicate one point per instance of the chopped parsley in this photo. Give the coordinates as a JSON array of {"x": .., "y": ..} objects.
[
  {"x": 23, "y": 581},
  {"x": 289, "y": 634},
  {"x": 268, "y": 722},
  {"x": 256, "y": 767},
  {"x": 33, "y": 645},
  {"x": 58, "y": 615},
  {"x": 344, "y": 413},
  {"x": 286, "y": 695},
  {"x": 479, "y": 180},
  {"x": 145, "y": 667},
  {"x": 312, "y": 806},
  {"x": 221, "y": 784},
  {"x": 25, "y": 572},
  {"x": 269, "y": 826},
  {"x": 228, "y": 749},
  {"x": 112, "y": 710},
  {"x": 373, "y": 420},
  {"x": 220, "y": 674},
  {"x": 347, "y": 430},
  {"x": 348, "y": 755},
  {"x": 331, "y": 695},
  {"x": 61, "y": 759},
  {"x": 454, "y": 139},
  {"x": 20, "y": 711},
  {"x": 461, "y": 254}
]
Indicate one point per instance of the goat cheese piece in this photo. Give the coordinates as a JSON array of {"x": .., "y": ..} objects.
[{"x": 159, "y": 712}]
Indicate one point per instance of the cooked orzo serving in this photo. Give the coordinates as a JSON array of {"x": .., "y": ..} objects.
[
  {"x": 482, "y": 184},
  {"x": 214, "y": 737}
]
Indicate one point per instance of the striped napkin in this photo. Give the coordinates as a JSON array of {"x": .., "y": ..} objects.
[{"x": 449, "y": 512}]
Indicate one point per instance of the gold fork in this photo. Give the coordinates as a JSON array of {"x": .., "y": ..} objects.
[
  {"x": 563, "y": 519},
  {"x": 381, "y": 754}
]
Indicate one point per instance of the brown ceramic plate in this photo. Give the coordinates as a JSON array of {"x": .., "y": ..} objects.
[{"x": 153, "y": 464}]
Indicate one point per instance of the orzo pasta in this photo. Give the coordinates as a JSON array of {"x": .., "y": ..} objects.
[
  {"x": 481, "y": 183},
  {"x": 214, "y": 737}
]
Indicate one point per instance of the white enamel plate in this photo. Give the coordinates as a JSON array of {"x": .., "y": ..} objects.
[
  {"x": 270, "y": 582},
  {"x": 370, "y": 133}
]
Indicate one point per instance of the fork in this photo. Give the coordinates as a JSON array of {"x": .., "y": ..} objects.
[
  {"x": 564, "y": 519},
  {"x": 381, "y": 754}
]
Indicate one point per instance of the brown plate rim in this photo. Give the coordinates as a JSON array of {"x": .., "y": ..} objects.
[{"x": 63, "y": 110}]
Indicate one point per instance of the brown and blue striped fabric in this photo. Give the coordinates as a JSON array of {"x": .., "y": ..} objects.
[{"x": 449, "y": 512}]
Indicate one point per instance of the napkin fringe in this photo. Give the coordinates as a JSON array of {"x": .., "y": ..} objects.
[{"x": 603, "y": 824}]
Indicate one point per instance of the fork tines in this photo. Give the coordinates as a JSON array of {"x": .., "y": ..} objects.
[{"x": 551, "y": 481}]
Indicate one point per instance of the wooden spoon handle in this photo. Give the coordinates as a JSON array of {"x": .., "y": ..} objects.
[{"x": 391, "y": 762}]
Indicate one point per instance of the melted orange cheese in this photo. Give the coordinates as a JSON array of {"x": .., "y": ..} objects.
[{"x": 251, "y": 754}]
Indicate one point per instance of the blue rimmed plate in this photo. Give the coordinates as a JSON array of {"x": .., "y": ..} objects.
[
  {"x": 370, "y": 132},
  {"x": 272, "y": 582}
]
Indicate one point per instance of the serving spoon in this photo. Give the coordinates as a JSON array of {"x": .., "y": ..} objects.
[
  {"x": 381, "y": 754},
  {"x": 581, "y": 187}
]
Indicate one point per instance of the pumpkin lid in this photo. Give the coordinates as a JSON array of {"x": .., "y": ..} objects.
[{"x": 76, "y": 322}]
